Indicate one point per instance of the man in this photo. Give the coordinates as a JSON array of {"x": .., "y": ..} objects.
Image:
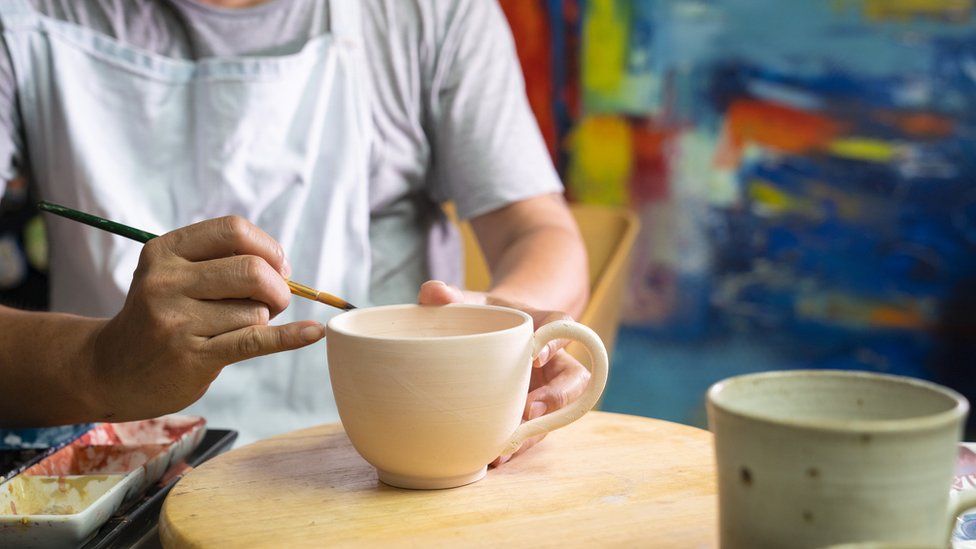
[{"x": 324, "y": 131}]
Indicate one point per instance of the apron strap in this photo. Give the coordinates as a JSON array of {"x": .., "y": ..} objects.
[
  {"x": 16, "y": 14},
  {"x": 345, "y": 20}
]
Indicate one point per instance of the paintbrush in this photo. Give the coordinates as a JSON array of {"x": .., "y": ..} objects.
[{"x": 138, "y": 235}]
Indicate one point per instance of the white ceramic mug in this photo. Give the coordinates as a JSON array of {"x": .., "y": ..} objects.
[
  {"x": 429, "y": 395},
  {"x": 816, "y": 458}
]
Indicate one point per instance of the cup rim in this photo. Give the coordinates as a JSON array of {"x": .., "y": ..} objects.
[
  {"x": 957, "y": 412},
  {"x": 335, "y": 323}
]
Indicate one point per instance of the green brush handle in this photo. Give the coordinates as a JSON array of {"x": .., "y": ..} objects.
[
  {"x": 298, "y": 289},
  {"x": 97, "y": 222}
]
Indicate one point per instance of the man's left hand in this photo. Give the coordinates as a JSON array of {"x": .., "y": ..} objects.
[{"x": 557, "y": 378}]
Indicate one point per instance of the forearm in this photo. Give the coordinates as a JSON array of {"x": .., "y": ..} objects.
[
  {"x": 545, "y": 269},
  {"x": 536, "y": 255},
  {"x": 45, "y": 365}
]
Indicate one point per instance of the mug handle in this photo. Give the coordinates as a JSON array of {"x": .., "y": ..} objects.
[
  {"x": 599, "y": 368},
  {"x": 959, "y": 503}
]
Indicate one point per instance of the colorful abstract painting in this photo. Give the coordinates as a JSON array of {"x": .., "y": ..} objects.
[{"x": 802, "y": 170}]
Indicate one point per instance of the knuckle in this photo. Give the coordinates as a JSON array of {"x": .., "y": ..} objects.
[
  {"x": 281, "y": 295},
  {"x": 142, "y": 268},
  {"x": 237, "y": 228},
  {"x": 265, "y": 283},
  {"x": 172, "y": 240},
  {"x": 153, "y": 249},
  {"x": 584, "y": 375},
  {"x": 582, "y": 371},
  {"x": 152, "y": 253},
  {"x": 558, "y": 399},
  {"x": 252, "y": 268},
  {"x": 158, "y": 282},
  {"x": 280, "y": 339},
  {"x": 261, "y": 316},
  {"x": 249, "y": 343}
]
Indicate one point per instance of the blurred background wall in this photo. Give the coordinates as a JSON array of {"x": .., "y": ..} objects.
[{"x": 804, "y": 173}]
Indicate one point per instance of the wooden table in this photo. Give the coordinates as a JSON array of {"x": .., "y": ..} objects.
[{"x": 606, "y": 480}]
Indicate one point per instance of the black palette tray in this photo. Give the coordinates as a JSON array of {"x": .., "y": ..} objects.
[{"x": 138, "y": 520}]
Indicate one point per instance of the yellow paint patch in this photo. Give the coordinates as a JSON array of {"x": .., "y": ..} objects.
[
  {"x": 770, "y": 198},
  {"x": 900, "y": 10},
  {"x": 870, "y": 150},
  {"x": 50, "y": 495},
  {"x": 604, "y": 46},
  {"x": 602, "y": 160}
]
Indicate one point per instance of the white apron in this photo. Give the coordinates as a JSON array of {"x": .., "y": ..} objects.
[{"x": 159, "y": 143}]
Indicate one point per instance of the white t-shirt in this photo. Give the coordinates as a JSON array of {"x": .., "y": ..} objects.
[{"x": 451, "y": 118}]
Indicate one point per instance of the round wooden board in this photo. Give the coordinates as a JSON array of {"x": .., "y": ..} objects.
[{"x": 606, "y": 480}]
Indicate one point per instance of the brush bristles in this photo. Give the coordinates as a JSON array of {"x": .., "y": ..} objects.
[{"x": 334, "y": 301}]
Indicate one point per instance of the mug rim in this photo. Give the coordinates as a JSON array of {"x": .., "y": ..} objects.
[
  {"x": 957, "y": 412},
  {"x": 334, "y": 323}
]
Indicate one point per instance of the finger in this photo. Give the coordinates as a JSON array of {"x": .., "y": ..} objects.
[
  {"x": 563, "y": 388},
  {"x": 224, "y": 237},
  {"x": 212, "y": 318},
  {"x": 435, "y": 292},
  {"x": 240, "y": 277},
  {"x": 253, "y": 341},
  {"x": 537, "y": 409},
  {"x": 541, "y": 318},
  {"x": 528, "y": 444}
]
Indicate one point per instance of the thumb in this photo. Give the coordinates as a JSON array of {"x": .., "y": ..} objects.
[
  {"x": 435, "y": 292},
  {"x": 259, "y": 340}
]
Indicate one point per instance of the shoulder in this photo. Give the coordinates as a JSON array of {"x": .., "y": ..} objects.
[
  {"x": 429, "y": 33},
  {"x": 431, "y": 19}
]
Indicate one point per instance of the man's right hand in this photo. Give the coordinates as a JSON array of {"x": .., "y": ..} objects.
[{"x": 201, "y": 298}]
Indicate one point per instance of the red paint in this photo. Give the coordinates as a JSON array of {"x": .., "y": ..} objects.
[
  {"x": 96, "y": 460},
  {"x": 530, "y": 27},
  {"x": 116, "y": 448},
  {"x": 156, "y": 431},
  {"x": 775, "y": 126},
  {"x": 651, "y": 169}
]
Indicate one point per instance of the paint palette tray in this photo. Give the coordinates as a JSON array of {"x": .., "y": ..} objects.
[
  {"x": 64, "y": 497},
  {"x": 21, "y": 448}
]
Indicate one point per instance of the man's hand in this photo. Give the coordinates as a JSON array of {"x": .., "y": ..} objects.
[
  {"x": 201, "y": 298},
  {"x": 557, "y": 378}
]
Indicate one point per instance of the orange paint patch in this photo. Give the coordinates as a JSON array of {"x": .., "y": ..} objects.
[
  {"x": 775, "y": 126},
  {"x": 896, "y": 318},
  {"x": 919, "y": 124}
]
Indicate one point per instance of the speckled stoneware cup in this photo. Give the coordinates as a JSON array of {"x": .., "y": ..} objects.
[{"x": 817, "y": 458}]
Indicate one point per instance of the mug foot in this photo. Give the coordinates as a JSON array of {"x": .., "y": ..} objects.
[{"x": 421, "y": 483}]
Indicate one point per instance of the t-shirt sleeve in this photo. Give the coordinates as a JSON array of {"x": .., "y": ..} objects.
[
  {"x": 487, "y": 149},
  {"x": 10, "y": 141}
]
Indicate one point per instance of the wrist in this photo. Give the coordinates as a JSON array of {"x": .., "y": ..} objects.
[
  {"x": 520, "y": 298},
  {"x": 88, "y": 370},
  {"x": 509, "y": 297}
]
